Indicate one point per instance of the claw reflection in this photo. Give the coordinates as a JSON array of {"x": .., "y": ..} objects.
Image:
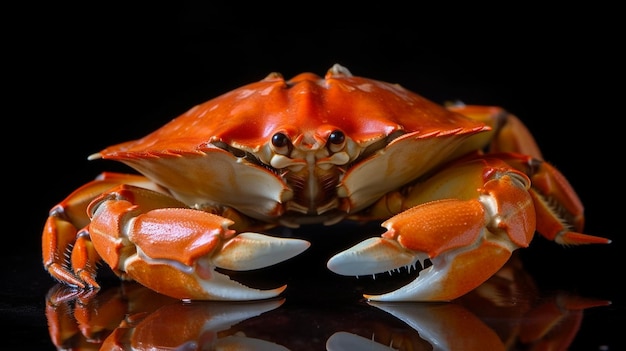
[
  {"x": 508, "y": 312},
  {"x": 505, "y": 313},
  {"x": 133, "y": 317}
]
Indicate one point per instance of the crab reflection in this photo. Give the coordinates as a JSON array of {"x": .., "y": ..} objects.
[
  {"x": 133, "y": 317},
  {"x": 505, "y": 313}
]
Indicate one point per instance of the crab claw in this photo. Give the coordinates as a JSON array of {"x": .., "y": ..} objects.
[
  {"x": 246, "y": 251},
  {"x": 446, "y": 279},
  {"x": 175, "y": 251},
  {"x": 453, "y": 234},
  {"x": 202, "y": 282}
]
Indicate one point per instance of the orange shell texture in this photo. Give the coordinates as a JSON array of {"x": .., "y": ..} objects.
[{"x": 247, "y": 117}]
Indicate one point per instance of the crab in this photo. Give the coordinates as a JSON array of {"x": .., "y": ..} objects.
[{"x": 459, "y": 187}]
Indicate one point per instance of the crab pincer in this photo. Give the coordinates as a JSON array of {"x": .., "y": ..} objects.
[
  {"x": 175, "y": 251},
  {"x": 467, "y": 220}
]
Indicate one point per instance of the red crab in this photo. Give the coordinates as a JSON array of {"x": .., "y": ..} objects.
[{"x": 462, "y": 186}]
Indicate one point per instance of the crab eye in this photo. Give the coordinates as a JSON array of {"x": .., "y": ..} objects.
[
  {"x": 336, "y": 140},
  {"x": 281, "y": 143}
]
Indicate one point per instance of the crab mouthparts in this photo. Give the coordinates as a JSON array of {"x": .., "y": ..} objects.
[
  {"x": 313, "y": 178},
  {"x": 311, "y": 174}
]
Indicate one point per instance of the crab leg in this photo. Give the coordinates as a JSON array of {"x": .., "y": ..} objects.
[
  {"x": 467, "y": 220},
  {"x": 63, "y": 231},
  {"x": 175, "y": 251},
  {"x": 122, "y": 222},
  {"x": 513, "y": 143},
  {"x": 558, "y": 209}
]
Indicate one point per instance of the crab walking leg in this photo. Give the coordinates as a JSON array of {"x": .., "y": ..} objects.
[
  {"x": 175, "y": 251},
  {"x": 467, "y": 239},
  {"x": 555, "y": 200},
  {"x": 559, "y": 211}
]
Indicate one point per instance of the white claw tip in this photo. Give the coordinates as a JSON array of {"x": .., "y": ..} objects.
[{"x": 249, "y": 251}]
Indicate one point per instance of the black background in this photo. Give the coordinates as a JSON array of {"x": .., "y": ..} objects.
[{"x": 79, "y": 78}]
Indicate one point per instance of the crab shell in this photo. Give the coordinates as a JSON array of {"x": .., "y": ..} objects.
[{"x": 304, "y": 150}]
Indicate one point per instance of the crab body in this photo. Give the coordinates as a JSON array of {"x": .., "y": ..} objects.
[{"x": 463, "y": 186}]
